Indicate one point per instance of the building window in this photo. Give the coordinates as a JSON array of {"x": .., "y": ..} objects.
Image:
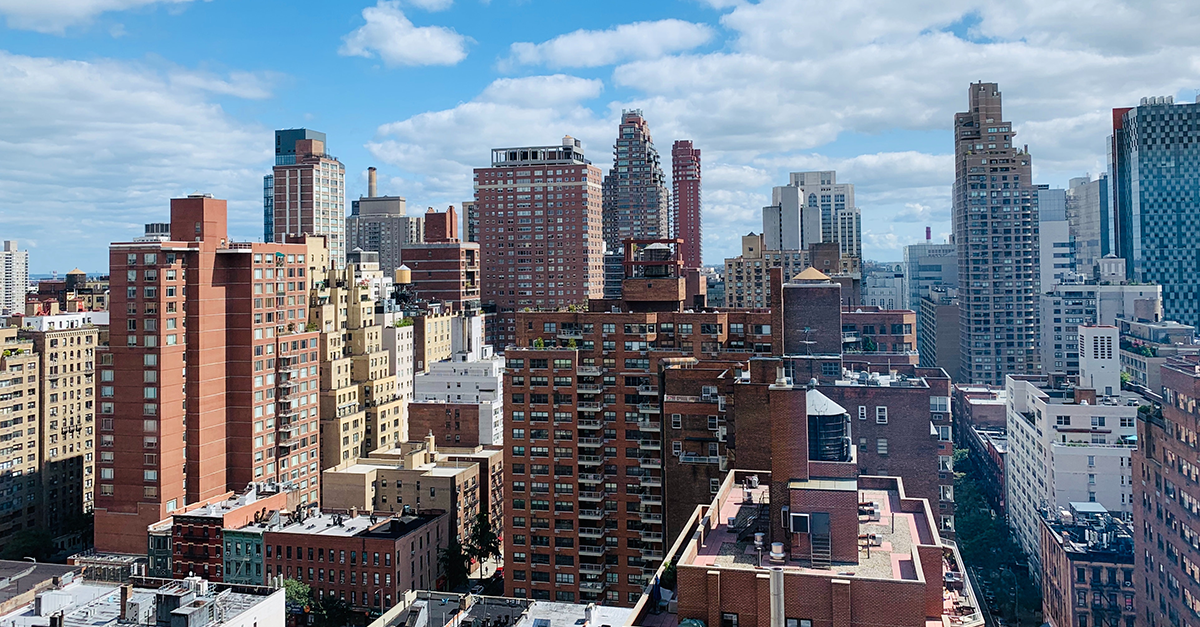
[
  {"x": 881, "y": 417},
  {"x": 729, "y": 619},
  {"x": 862, "y": 412},
  {"x": 881, "y": 446}
]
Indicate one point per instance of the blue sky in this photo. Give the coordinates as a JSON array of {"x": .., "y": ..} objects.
[{"x": 111, "y": 107}]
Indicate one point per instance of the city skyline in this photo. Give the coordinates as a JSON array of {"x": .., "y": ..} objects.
[{"x": 172, "y": 114}]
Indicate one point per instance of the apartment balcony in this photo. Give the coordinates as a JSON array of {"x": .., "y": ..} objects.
[
  {"x": 650, "y": 462},
  {"x": 594, "y": 551},
  {"x": 570, "y": 335},
  {"x": 651, "y": 482},
  {"x": 649, "y": 445},
  {"x": 589, "y": 423},
  {"x": 652, "y": 499},
  {"x": 589, "y": 388},
  {"x": 591, "y": 497},
  {"x": 591, "y": 514},
  {"x": 652, "y": 536},
  {"x": 591, "y": 460},
  {"x": 592, "y": 586},
  {"x": 590, "y": 406},
  {"x": 648, "y": 389},
  {"x": 651, "y": 517},
  {"x": 591, "y": 478},
  {"x": 591, "y": 532},
  {"x": 591, "y": 569},
  {"x": 591, "y": 441},
  {"x": 649, "y": 408},
  {"x": 588, "y": 371},
  {"x": 652, "y": 554},
  {"x": 649, "y": 427}
]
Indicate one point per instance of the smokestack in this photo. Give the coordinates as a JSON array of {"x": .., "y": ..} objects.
[
  {"x": 372, "y": 188},
  {"x": 928, "y": 233},
  {"x": 777, "y": 612}
]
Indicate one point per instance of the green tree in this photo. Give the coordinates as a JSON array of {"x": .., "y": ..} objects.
[
  {"x": 483, "y": 542},
  {"x": 454, "y": 562},
  {"x": 334, "y": 612},
  {"x": 539, "y": 343},
  {"x": 35, "y": 543},
  {"x": 297, "y": 593}
]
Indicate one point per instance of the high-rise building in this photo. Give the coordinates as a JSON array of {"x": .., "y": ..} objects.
[
  {"x": 1089, "y": 213},
  {"x": 994, "y": 199},
  {"x": 884, "y": 287},
  {"x": 269, "y": 208},
  {"x": 747, "y": 276},
  {"x": 927, "y": 265},
  {"x": 937, "y": 328},
  {"x": 20, "y": 427},
  {"x": 309, "y": 192},
  {"x": 787, "y": 224},
  {"x": 379, "y": 224},
  {"x": 686, "y": 201},
  {"x": 1165, "y": 496},
  {"x": 471, "y": 220},
  {"x": 210, "y": 381},
  {"x": 636, "y": 199},
  {"x": 539, "y": 208},
  {"x": 14, "y": 278},
  {"x": 841, "y": 220},
  {"x": 1154, "y": 173},
  {"x": 1056, "y": 242},
  {"x": 1066, "y": 443},
  {"x": 443, "y": 268}
]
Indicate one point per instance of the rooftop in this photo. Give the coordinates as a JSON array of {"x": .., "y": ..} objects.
[
  {"x": 342, "y": 525},
  {"x": 1089, "y": 532}
]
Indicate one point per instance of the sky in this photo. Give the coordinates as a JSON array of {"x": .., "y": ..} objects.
[{"x": 109, "y": 108}]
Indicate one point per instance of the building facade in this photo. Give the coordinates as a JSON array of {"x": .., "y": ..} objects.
[
  {"x": 310, "y": 192},
  {"x": 1156, "y": 213},
  {"x": 928, "y": 265},
  {"x": 470, "y": 387},
  {"x": 380, "y": 224},
  {"x": 21, "y": 429},
  {"x": 539, "y": 207},
  {"x": 443, "y": 268},
  {"x": 1088, "y": 562},
  {"x": 747, "y": 277},
  {"x": 686, "y": 201},
  {"x": 1089, "y": 214},
  {"x": 1166, "y": 495},
  {"x": 635, "y": 195},
  {"x": 202, "y": 393},
  {"x": 995, "y": 217},
  {"x": 937, "y": 329}
]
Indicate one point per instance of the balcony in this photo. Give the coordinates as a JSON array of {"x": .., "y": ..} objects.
[
  {"x": 591, "y": 478},
  {"x": 590, "y": 406},
  {"x": 590, "y": 460},
  {"x": 588, "y": 371},
  {"x": 591, "y": 532},
  {"x": 589, "y": 423},
  {"x": 651, "y": 482},
  {"x": 652, "y": 554},
  {"x": 594, "y": 551},
  {"x": 589, "y": 388},
  {"x": 648, "y": 389},
  {"x": 649, "y": 427},
  {"x": 650, "y": 462},
  {"x": 652, "y": 536},
  {"x": 591, "y": 441},
  {"x": 591, "y": 514},
  {"x": 591, "y": 497},
  {"x": 652, "y": 499},
  {"x": 591, "y": 569},
  {"x": 649, "y": 445},
  {"x": 649, "y": 408},
  {"x": 566, "y": 334},
  {"x": 592, "y": 586},
  {"x": 651, "y": 517}
]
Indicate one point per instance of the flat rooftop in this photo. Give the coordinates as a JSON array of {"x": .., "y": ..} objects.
[
  {"x": 86, "y": 604},
  {"x": 342, "y": 525},
  {"x": 875, "y": 379}
]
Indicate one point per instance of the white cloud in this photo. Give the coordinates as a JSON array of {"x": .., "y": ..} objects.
[
  {"x": 594, "y": 48},
  {"x": 54, "y": 16},
  {"x": 250, "y": 85},
  {"x": 392, "y": 37},
  {"x": 93, "y": 150},
  {"x": 543, "y": 91}
]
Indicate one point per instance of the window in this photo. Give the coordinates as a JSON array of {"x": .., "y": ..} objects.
[
  {"x": 1097, "y": 421},
  {"x": 945, "y": 463},
  {"x": 881, "y": 415},
  {"x": 729, "y": 619},
  {"x": 862, "y": 412},
  {"x": 676, "y": 421},
  {"x": 939, "y": 404},
  {"x": 881, "y": 446}
]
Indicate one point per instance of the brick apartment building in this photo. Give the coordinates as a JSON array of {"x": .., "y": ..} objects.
[
  {"x": 597, "y": 399},
  {"x": 1087, "y": 569},
  {"x": 686, "y": 201},
  {"x": 1166, "y": 501},
  {"x": 369, "y": 561},
  {"x": 881, "y": 336},
  {"x": 20, "y": 431},
  {"x": 200, "y": 391},
  {"x": 444, "y": 268},
  {"x": 539, "y": 228}
]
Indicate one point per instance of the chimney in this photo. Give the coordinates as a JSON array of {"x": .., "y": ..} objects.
[
  {"x": 125, "y": 590},
  {"x": 777, "y": 613},
  {"x": 372, "y": 181}
]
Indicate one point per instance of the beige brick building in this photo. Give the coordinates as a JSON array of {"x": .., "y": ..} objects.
[{"x": 19, "y": 435}]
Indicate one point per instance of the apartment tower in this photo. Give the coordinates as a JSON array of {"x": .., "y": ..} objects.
[
  {"x": 995, "y": 229},
  {"x": 444, "y": 268},
  {"x": 210, "y": 381},
  {"x": 636, "y": 203},
  {"x": 14, "y": 278},
  {"x": 380, "y": 224},
  {"x": 686, "y": 201},
  {"x": 309, "y": 188},
  {"x": 539, "y": 231},
  {"x": 20, "y": 430}
]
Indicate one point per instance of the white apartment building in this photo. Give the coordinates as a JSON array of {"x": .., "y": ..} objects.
[
  {"x": 14, "y": 278},
  {"x": 61, "y": 321},
  {"x": 1065, "y": 444},
  {"x": 470, "y": 377},
  {"x": 398, "y": 342}
]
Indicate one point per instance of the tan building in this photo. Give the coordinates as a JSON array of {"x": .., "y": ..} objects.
[
  {"x": 361, "y": 407},
  {"x": 19, "y": 432},
  {"x": 421, "y": 476},
  {"x": 432, "y": 339},
  {"x": 66, "y": 345},
  {"x": 746, "y": 281}
]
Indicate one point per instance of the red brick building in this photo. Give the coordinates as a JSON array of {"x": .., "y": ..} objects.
[
  {"x": 443, "y": 268},
  {"x": 369, "y": 561},
  {"x": 453, "y": 424},
  {"x": 879, "y": 336},
  {"x": 210, "y": 381},
  {"x": 539, "y": 227},
  {"x": 686, "y": 201},
  {"x": 1087, "y": 569},
  {"x": 1166, "y": 574}
]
